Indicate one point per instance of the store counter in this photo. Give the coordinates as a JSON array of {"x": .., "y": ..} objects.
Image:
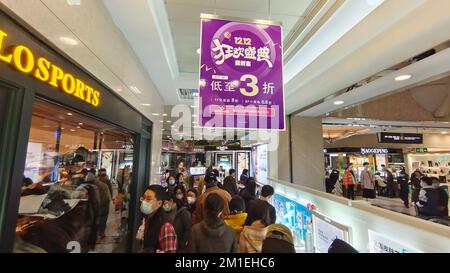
[{"x": 321, "y": 217}]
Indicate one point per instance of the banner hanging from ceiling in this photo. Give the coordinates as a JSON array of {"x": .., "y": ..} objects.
[{"x": 241, "y": 74}]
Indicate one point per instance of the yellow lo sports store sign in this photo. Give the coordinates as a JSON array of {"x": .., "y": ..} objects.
[{"x": 21, "y": 58}]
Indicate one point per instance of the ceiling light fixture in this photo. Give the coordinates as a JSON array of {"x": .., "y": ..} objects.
[
  {"x": 68, "y": 41},
  {"x": 146, "y": 104},
  {"x": 74, "y": 2},
  {"x": 403, "y": 77},
  {"x": 155, "y": 114},
  {"x": 199, "y": 51},
  {"x": 164, "y": 115},
  {"x": 81, "y": 123},
  {"x": 69, "y": 114},
  {"x": 72, "y": 130},
  {"x": 339, "y": 102},
  {"x": 444, "y": 133},
  {"x": 78, "y": 127},
  {"x": 135, "y": 90}
]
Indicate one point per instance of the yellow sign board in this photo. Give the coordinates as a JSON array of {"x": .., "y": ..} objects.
[{"x": 22, "y": 59}]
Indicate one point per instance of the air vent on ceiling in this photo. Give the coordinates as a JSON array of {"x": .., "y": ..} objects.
[{"x": 187, "y": 94}]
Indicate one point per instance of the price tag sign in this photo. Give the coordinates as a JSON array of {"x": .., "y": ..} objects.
[{"x": 241, "y": 74}]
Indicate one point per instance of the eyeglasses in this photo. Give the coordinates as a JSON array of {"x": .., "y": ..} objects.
[{"x": 142, "y": 199}]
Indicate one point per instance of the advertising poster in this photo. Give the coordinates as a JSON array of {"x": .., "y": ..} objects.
[
  {"x": 326, "y": 231},
  {"x": 294, "y": 215},
  {"x": 243, "y": 162},
  {"x": 260, "y": 164},
  {"x": 241, "y": 74},
  {"x": 380, "y": 243}
]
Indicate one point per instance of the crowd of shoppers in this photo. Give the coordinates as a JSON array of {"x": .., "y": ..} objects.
[
  {"x": 427, "y": 196},
  {"x": 217, "y": 220}
]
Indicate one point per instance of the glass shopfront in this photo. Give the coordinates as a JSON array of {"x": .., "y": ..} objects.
[{"x": 74, "y": 157}]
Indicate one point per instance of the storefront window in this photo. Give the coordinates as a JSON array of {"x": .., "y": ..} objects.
[{"x": 76, "y": 183}]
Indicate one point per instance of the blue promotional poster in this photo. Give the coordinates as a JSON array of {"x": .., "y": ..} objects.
[{"x": 294, "y": 215}]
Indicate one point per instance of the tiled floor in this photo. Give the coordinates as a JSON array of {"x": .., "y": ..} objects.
[
  {"x": 394, "y": 204},
  {"x": 114, "y": 242}
]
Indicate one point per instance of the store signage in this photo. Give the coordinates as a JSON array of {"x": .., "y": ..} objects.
[
  {"x": 21, "y": 58},
  {"x": 380, "y": 243},
  {"x": 421, "y": 150},
  {"x": 366, "y": 151},
  {"x": 400, "y": 138},
  {"x": 241, "y": 74}
]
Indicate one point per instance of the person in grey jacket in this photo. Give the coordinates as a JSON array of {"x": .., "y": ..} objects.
[
  {"x": 182, "y": 220},
  {"x": 212, "y": 235}
]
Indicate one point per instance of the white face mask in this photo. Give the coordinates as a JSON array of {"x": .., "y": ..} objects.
[
  {"x": 172, "y": 182},
  {"x": 147, "y": 207},
  {"x": 423, "y": 184},
  {"x": 179, "y": 196},
  {"x": 191, "y": 200}
]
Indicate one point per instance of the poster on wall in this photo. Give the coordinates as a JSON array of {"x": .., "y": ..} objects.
[
  {"x": 260, "y": 164},
  {"x": 380, "y": 243},
  {"x": 225, "y": 161},
  {"x": 33, "y": 162},
  {"x": 243, "y": 162},
  {"x": 296, "y": 216},
  {"x": 326, "y": 231},
  {"x": 241, "y": 74}
]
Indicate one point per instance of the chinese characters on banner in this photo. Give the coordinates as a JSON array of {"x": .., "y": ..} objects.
[{"x": 241, "y": 75}]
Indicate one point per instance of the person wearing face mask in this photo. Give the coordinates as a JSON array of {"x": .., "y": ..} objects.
[
  {"x": 180, "y": 194},
  {"x": 212, "y": 235},
  {"x": 192, "y": 202},
  {"x": 171, "y": 184},
  {"x": 368, "y": 182},
  {"x": 159, "y": 235},
  {"x": 211, "y": 187},
  {"x": 181, "y": 218}
]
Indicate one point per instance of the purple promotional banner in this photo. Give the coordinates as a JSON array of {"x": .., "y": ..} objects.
[{"x": 241, "y": 74}]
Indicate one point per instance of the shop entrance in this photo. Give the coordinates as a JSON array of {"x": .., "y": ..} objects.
[{"x": 76, "y": 187}]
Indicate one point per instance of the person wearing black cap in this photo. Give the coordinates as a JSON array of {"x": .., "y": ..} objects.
[{"x": 211, "y": 187}]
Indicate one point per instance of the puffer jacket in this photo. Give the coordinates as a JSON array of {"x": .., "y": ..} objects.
[
  {"x": 218, "y": 239},
  {"x": 236, "y": 222},
  {"x": 252, "y": 237}
]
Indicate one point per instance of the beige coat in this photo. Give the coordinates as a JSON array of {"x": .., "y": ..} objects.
[{"x": 252, "y": 238}]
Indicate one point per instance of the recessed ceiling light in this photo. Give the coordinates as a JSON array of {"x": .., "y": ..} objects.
[
  {"x": 199, "y": 51},
  {"x": 193, "y": 106},
  {"x": 164, "y": 115},
  {"x": 78, "y": 127},
  {"x": 72, "y": 130},
  {"x": 146, "y": 104},
  {"x": 194, "y": 116},
  {"x": 444, "y": 133},
  {"x": 81, "y": 123},
  {"x": 155, "y": 114},
  {"x": 169, "y": 121},
  {"x": 339, "y": 102},
  {"x": 63, "y": 128},
  {"x": 173, "y": 126},
  {"x": 161, "y": 121},
  {"x": 403, "y": 77},
  {"x": 69, "y": 114},
  {"x": 74, "y": 2},
  {"x": 135, "y": 90},
  {"x": 68, "y": 41}
]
